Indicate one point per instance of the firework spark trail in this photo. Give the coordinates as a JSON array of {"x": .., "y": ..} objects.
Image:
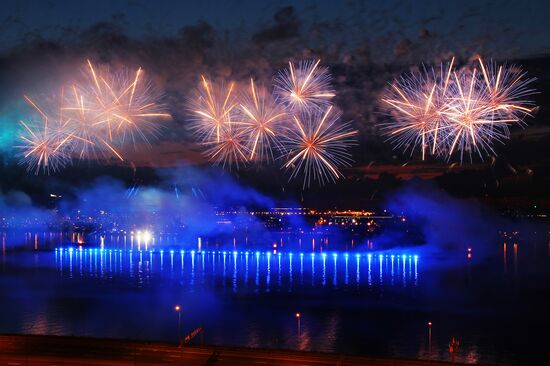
[
  {"x": 211, "y": 109},
  {"x": 262, "y": 120},
  {"x": 306, "y": 87},
  {"x": 44, "y": 147},
  {"x": 318, "y": 146},
  {"x": 417, "y": 101},
  {"x": 465, "y": 111}
]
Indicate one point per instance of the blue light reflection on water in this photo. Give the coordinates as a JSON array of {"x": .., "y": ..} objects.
[
  {"x": 272, "y": 271},
  {"x": 350, "y": 302}
]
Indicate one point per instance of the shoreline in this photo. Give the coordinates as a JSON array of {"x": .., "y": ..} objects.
[{"x": 68, "y": 350}]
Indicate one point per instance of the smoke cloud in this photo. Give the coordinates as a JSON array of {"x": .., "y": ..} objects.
[{"x": 444, "y": 226}]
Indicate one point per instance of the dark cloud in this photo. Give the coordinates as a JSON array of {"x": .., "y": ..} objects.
[{"x": 287, "y": 26}]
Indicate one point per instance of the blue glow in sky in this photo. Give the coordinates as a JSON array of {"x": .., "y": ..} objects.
[{"x": 8, "y": 132}]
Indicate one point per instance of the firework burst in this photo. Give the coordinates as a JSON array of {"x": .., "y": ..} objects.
[
  {"x": 464, "y": 112},
  {"x": 91, "y": 140},
  {"x": 230, "y": 148},
  {"x": 474, "y": 122},
  {"x": 318, "y": 146},
  {"x": 417, "y": 101},
  {"x": 212, "y": 108},
  {"x": 305, "y": 87},
  {"x": 124, "y": 105},
  {"x": 509, "y": 89},
  {"x": 261, "y": 119},
  {"x": 92, "y": 120},
  {"x": 44, "y": 146}
]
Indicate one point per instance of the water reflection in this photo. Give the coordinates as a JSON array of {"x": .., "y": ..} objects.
[
  {"x": 515, "y": 259},
  {"x": 224, "y": 284},
  {"x": 504, "y": 258},
  {"x": 143, "y": 265}
]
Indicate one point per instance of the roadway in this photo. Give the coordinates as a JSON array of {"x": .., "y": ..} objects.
[{"x": 31, "y": 350}]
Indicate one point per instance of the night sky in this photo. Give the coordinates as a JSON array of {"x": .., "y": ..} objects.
[
  {"x": 145, "y": 19},
  {"x": 365, "y": 44}
]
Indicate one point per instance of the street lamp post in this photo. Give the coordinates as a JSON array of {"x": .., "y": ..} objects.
[
  {"x": 178, "y": 308},
  {"x": 298, "y": 317},
  {"x": 429, "y": 343}
]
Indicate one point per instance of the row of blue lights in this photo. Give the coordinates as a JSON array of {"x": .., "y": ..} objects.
[{"x": 234, "y": 253}]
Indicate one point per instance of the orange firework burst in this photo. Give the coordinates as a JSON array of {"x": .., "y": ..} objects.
[
  {"x": 92, "y": 120},
  {"x": 318, "y": 146},
  {"x": 298, "y": 123},
  {"x": 211, "y": 109},
  {"x": 483, "y": 104},
  {"x": 474, "y": 121},
  {"x": 44, "y": 144},
  {"x": 125, "y": 104},
  {"x": 230, "y": 147},
  {"x": 305, "y": 87},
  {"x": 463, "y": 111},
  {"x": 417, "y": 101},
  {"x": 509, "y": 89},
  {"x": 261, "y": 120},
  {"x": 91, "y": 140}
]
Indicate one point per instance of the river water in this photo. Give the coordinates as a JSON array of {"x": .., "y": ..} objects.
[{"x": 368, "y": 302}]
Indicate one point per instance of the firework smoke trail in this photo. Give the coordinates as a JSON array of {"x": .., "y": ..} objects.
[
  {"x": 306, "y": 87},
  {"x": 318, "y": 146},
  {"x": 261, "y": 119},
  {"x": 44, "y": 145},
  {"x": 211, "y": 109},
  {"x": 417, "y": 101}
]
